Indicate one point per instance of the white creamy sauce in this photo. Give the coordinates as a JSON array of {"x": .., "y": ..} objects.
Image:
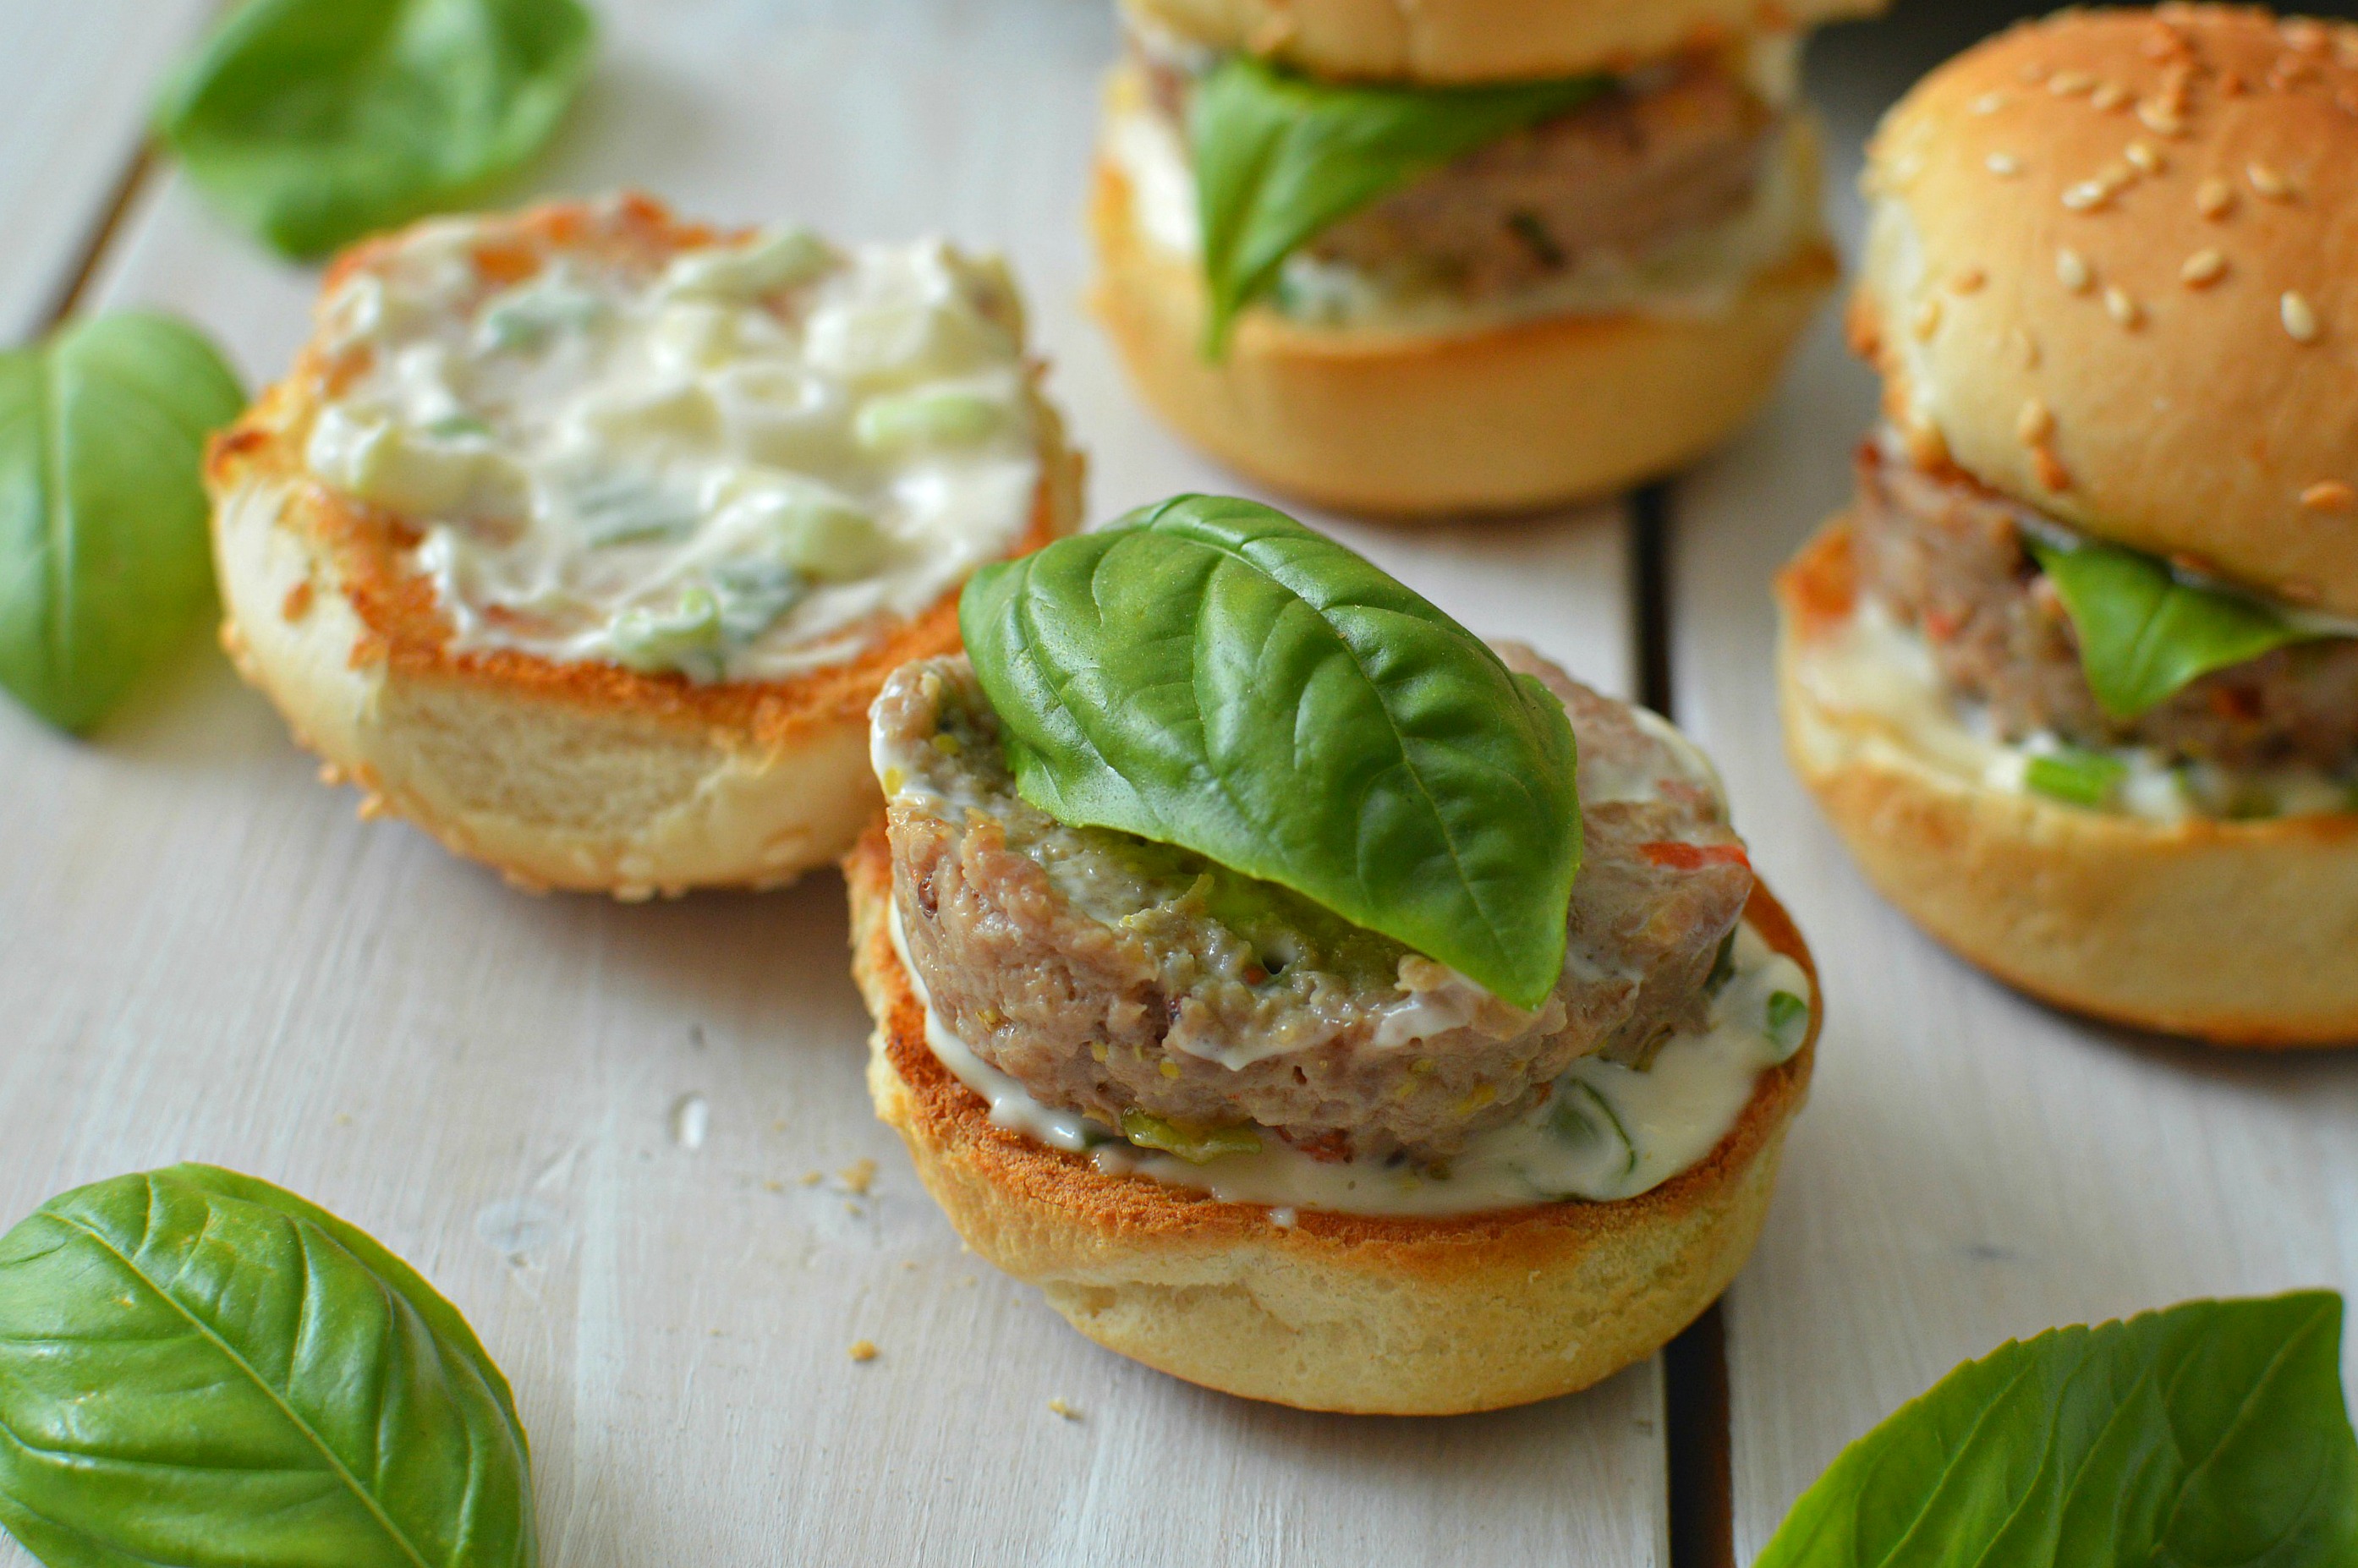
[
  {"x": 1703, "y": 275},
  {"x": 1874, "y": 665},
  {"x": 742, "y": 467},
  {"x": 1607, "y": 1131}
]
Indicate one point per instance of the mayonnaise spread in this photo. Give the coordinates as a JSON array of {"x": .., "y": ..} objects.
[
  {"x": 741, "y": 461},
  {"x": 1605, "y": 1132}
]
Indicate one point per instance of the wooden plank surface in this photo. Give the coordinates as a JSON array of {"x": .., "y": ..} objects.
[
  {"x": 1972, "y": 1166},
  {"x": 76, "y": 80},
  {"x": 595, "y": 1126}
]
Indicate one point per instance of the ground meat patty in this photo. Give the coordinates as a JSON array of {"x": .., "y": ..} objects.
[
  {"x": 1947, "y": 556},
  {"x": 1656, "y": 159},
  {"x": 1105, "y": 973}
]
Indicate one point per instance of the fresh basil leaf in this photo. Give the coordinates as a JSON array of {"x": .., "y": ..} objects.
[
  {"x": 103, "y": 561},
  {"x": 2143, "y": 635},
  {"x": 197, "y": 1368},
  {"x": 1280, "y": 157},
  {"x": 2082, "y": 778},
  {"x": 1211, "y": 674},
  {"x": 2213, "y": 1433},
  {"x": 314, "y": 122}
]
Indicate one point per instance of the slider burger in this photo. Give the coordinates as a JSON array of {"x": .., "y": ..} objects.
[
  {"x": 584, "y": 537},
  {"x": 1258, "y": 972},
  {"x": 2077, "y": 676},
  {"x": 1464, "y": 255}
]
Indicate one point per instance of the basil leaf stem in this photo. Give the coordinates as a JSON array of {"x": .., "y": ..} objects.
[
  {"x": 197, "y": 1366},
  {"x": 314, "y": 122},
  {"x": 2143, "y": 635},
  {"x": 2213, "y": 1432},
  {"x": 1209, "y": 672},
  {"x": 104, "y": 566},
  {"x": 1280, "y": 157}
]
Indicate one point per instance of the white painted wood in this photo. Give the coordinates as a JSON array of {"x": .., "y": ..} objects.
[
  {"x": 1972, "y": 1166},
  {"x": 204, "y": 955},
  {"x": 77, "y": 82}
]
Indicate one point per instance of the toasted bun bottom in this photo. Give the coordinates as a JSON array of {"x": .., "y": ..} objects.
[
  {"x": 2240, "y": 933},
  {"x": 1334, "y": 1312},
  {"x": 583, "y": 777},
  {"x": 1535, "y": 414}
]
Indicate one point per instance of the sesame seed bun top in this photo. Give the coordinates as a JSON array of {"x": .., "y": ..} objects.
[
  {"x": 1442, "y": 41},
  {"x": 2113, "y": 272}
]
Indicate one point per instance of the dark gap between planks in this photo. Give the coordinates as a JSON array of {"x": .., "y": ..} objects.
[{"x": 1694, "y": 1365}]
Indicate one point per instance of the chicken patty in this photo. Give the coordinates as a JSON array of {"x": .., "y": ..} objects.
[
  {"x": 1108, "y": 974},
  {"x": 1948, "y": 557}
]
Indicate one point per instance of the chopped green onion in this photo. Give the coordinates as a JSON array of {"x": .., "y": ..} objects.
[
  {"x": 1582, "y": 1117},
  {"x": 928, "y": 419},
  {"x": 2083, "y": 778},
  {"x": 1789, "y": 1022},
  {"x": 1196, "y": 1145}
]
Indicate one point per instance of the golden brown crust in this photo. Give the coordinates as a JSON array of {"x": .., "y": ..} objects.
[
  {"x": 2240, "y": 933},
  {"x": 2088, "y": 231},
  {"x": 1334, "y": 1311},
  {"x": 327, "y": 615},
  {"x": 1479, "y": 40},
  {"x": 1503, "y": 419}
]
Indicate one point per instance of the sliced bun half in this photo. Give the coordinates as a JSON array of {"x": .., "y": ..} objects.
[
  {"x": 1503, "y": 418},
  {"x": 1478, "y": 41},
  {"x": 1333, "y": 1312},
  {"x": 2110, "y": 274},
  {"x": 2240, "y": 933}
]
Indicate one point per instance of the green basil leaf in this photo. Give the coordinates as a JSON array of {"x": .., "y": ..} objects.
[
  {"x": 199, "y": 1368},
  {"x": 1278, "y": 157},
  {"x": 2145, "y": 635},
  {"x": 2213, "y": 1433},
  {"x": 2082, "y": 778},
  {"x": 1211, "y": 674},
  {"x": 104, "y": 561},
  {"x": 314, "y": 122}
]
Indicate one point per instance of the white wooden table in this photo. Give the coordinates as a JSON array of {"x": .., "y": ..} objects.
[{"x": 204, "y": 955}]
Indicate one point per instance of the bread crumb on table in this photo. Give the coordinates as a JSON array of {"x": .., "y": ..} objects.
[
  {"x": 858, "y": 1176},
  {"x": 863, "y": 1351},
  {"x": 1062, "y": 1408}
]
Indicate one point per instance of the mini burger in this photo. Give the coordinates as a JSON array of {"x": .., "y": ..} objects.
[
  {"x": 2077, "y": 676},
  {"x": 584, "y": 537},
  {"x": 1313, "y": 1003},
  {"x": 1463, "y": 256}
]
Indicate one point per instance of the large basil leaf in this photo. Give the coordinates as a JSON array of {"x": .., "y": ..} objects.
[
  {"x": 2143, "y": 635},
  {"x": 103, "y": 562},
  {"x": 2212, "y": 1434},
  {"x": 1211, "y": 674},
  {"x": 313, "y": 121},
  {"x": 1279, "y": 157},
  {"x": 197, "y": 1368}
]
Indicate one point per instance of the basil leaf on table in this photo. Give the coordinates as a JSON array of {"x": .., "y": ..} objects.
[
  {"x": 1280, "y": 157},
  {"x": 105, "y": 564},
  {"x": 199, "y": 1368},
  {"x": 2145, "y": 635},
  {"x": 2213, "y": 1433},
  {"x": 314, "y": 122},
  {"x": 1211, "y": 674}
]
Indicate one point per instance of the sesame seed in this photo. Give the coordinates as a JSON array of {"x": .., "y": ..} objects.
[
  {"x": 2160, "y": 119},
  {"x": 2025, "y": 348},
  {"x": 2071, "y": 271},
  {"x": 2068, "y": 83},
  {"x": 1969, "y": 280},
  {"x": 863, "y": 1351},
  {"x": 2053, "y": 474},
  {"x": 2268, "y": 182},
  {"x": 2108, "y": 96},
  {"x": 1926, "y": 320},
  {"x": 2300, "y": 32},
  {"x": 2087, "y": 195},
  {"x": 2035, "y": 423},
  {"x": 2003, "y": 165},
  {"x": 2214, "y": 198},
  {"x": 2202, "y": 269},
  {"x": 2300, "y": 317},
  {"x": 2031, "y": 73},
  {"x": 1989, "y": 103},
  {"x": 2122, "y": 309},
  {"x": 2328, "y": 495},
  {"x": 2142, "y": 155}
]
